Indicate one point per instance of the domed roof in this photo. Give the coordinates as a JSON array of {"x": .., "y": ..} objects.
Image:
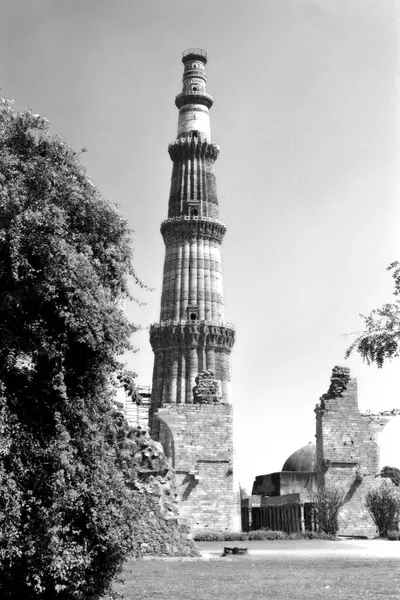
[{"x": 303, "y": 459}]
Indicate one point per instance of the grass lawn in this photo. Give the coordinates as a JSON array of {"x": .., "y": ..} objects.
[{"x": 264, "y": 577}]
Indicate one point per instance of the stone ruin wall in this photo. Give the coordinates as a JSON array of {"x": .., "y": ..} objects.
[
  {"x": 348, "y": 450},
  {"x": 159, "y": 528},
  {"x": 197, "y": 438}
]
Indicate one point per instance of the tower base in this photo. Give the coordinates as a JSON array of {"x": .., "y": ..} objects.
[{"x": 197, "y": 438}]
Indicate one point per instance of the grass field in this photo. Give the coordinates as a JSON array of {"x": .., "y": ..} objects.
[{"x": 276, "y": 576}]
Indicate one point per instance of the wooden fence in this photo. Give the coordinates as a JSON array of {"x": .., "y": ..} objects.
[{"x": 291, "y": 518}]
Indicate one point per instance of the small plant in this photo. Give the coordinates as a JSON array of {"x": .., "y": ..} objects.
[
  {"x": 326, "y": 503},
  {"x": 383, "y": 504},
  {"x": 393, "y": 535}
]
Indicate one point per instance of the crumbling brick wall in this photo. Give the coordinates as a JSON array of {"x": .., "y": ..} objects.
[
  {"x": 198, "y": 440},
  {"x": 159, "y": 528},
  {"x": 347, "y": 452}
]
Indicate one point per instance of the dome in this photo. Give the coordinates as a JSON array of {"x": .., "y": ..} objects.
[{"x": 303, "y": 459}]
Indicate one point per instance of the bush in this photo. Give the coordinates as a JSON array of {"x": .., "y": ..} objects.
[
  {"x": 326, "y": 503},
  {"x": 260, "y": 534},
  {"x": 393, "y": 535},
  {"x": 208, "y": 536},
  {"x": 267, "y": 534},
  {"x": 311, "y": 535},
  {"x": 66, "y": 514},
  {"x": 235, "y": 536},
  {"x": 383, "y": 504}
]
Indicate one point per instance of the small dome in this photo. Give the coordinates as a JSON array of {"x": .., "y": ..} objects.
[{"x": 303, "y": 459}]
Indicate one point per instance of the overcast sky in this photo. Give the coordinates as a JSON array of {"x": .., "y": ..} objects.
[{"x": 305, "y": 115}]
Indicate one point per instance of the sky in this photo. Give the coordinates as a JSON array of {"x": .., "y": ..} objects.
[{"x": 305, "y": 113}]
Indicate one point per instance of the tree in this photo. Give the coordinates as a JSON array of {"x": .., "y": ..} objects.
[
  {"x": 66, "y": 512},
  {"x": 381, "y": 337},
  {"x": 326, "y": 503},
  {"x": 383, "y": 504},
  {"x": 391, "y": 473}
]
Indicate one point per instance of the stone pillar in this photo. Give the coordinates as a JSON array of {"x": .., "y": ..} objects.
[
  {"x": 185, "y": 279},
  {"x": 200, "y": 279},
  {"x": 193, "y": 370},
  {"x": 193, "y": 272},
  {"x": 173, "y": 383},
  {"x": 207, "y": 282},
  {"x": 165, "y": 286},
  {"x": 183, "y": 377},
  {"x": 210, "y": 357},
  {"x": 166, "y": 379},
  {"x": 178, "y": 282}
]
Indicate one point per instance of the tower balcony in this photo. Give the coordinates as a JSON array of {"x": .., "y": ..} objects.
[
  {"x": 202, "y": 322},
  {"x": 186, "y": 333},
  {"x": 193, "y": 97},
  {"x": 184, "y": 227}
]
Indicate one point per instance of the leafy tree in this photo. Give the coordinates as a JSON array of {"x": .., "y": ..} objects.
[
  {"x": 326, "y": 503},
  {"x": 381, "y": 337},
  {"x": 391, "y": 473},
  {"x": 66, "y": 513},
  {"x": 383, "y": 504}
]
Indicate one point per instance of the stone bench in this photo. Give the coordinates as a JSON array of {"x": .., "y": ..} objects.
[{"x": 234, "y": 550}]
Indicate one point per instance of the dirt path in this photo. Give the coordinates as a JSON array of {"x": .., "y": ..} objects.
[{"x": 304, "y": 548}]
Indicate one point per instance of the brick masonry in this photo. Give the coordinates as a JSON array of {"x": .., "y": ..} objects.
[
  {"x": 348, "y": 451},
  {"x": 198, "y": 441}
]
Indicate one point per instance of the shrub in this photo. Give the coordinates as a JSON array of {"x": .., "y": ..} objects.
[
  {"x": 233, "y": 536},
  {"x": 383, "y": 504},
  {"x": 260, "y": 534},
  {"x": 391, "y": 473},
  {"x": 267, "y": 534},
  {"x": 311, "y": 535},
  {"x": 393, "y": 535},
  {"x": 326, "y": 503},
  {"x": 208, "y": 536}
]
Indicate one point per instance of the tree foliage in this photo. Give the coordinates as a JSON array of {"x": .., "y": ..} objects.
[
  {"x": 391, "y": 473},
  {"x": 383, "y": 504},
  {"x": 326, "y": 503},
  {"x": 66, "y": 512},
  {"x": 381, "y": 337}
]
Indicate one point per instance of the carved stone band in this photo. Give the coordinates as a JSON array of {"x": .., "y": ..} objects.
[
  {"x": 193, "y": 227},
  {"x": 193, "y": 147},
  {"x": 192, "y": 335}
]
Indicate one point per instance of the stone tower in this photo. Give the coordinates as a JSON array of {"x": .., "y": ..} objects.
[{"x": 192, "y": 336}]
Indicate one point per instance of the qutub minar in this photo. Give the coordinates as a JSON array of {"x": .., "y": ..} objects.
[{"x": 190, "y": 412}]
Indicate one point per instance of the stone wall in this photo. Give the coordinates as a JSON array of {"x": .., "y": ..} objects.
[
  {"x": 161, "y": 533},
  {"x": 159, "y": 528},
  {"x": 347, "y": 452},
  {"x": 197, "y": 439}
]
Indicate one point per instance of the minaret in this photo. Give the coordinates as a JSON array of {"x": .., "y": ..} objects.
[{"x": 192, "y": 335}]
